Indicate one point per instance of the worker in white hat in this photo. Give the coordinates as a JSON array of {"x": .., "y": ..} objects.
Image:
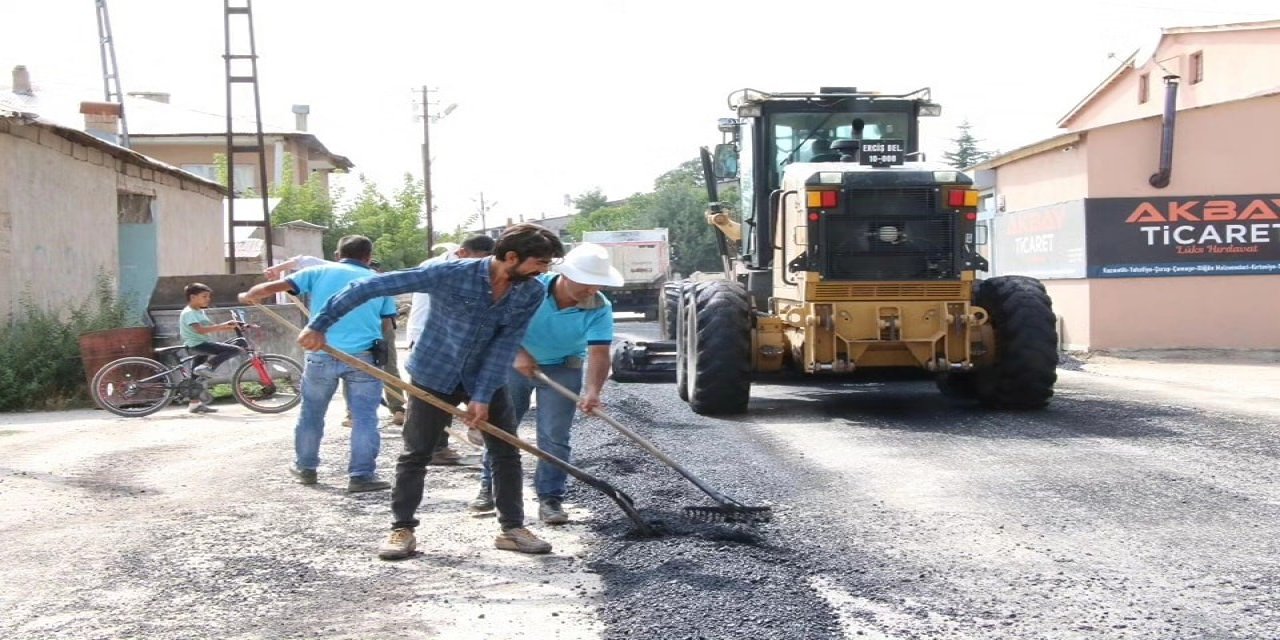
[{"x": 573, "y": 327}]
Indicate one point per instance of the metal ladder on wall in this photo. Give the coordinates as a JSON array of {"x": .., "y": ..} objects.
[
  {"x": 110, "y": 71},
  {"x": 236, "y": 75}
]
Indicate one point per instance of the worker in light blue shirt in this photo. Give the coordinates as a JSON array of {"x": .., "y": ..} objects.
[
  {"x": 359, "y": 333},
  {"x": 573, "y": 327}
]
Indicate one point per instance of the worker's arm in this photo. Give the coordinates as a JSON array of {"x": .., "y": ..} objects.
[
  {"x": 266, "y": 289},
  {"x": 361, "y": 291},
  {"x": 598, "y": 363}
]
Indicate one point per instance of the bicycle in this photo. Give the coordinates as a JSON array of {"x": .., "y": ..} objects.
[{"x": 139, "y": 386}]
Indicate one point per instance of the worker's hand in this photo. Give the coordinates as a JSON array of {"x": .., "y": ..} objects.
[
  {"x": 246, "y": 299},
  {"x": 310, "y": 339},
  {"x": 525, "y": 364},
  {"x": 590, "y": 401},
  {"x": 477, "y": 412},
  {"x": 276, "y": 272}
]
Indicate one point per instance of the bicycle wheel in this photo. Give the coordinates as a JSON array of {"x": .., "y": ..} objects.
[
  {"x": 133, "y": 387},
  {"x": 270, "y": 383}
]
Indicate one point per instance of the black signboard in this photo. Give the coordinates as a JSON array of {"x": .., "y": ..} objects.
[
  {"x": 881, "y": 153},
  {"x": 1183, "y": 236}
]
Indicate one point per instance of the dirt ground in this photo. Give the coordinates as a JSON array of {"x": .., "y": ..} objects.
[{"x": 185, "y": 526}]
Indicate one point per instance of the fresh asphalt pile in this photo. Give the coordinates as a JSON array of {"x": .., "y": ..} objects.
[{"x": 698, "y": 579}]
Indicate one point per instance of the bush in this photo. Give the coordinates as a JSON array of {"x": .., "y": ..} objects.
[{"x": 40, "y": 365}]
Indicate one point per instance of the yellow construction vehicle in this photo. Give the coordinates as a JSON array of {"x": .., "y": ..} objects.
[{"x": 849, "y": 253}]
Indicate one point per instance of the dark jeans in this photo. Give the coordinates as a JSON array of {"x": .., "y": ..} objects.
[
  {"x": 422, "y": 430},
  {"x": 218, "y": 352}
]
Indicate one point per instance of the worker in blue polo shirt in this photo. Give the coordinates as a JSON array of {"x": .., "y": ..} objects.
[
  {"x": 359, "y": 334},
  {"x": 573, "y": 326}
]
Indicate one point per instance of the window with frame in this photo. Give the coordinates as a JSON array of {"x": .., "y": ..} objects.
[
  {"x": 1197, "y": 67},
  {"x": 245, "y": 177},
  {"x": 1144, "y": 88}
]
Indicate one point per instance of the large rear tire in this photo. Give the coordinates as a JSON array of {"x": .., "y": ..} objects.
[
  {"x": 279, "y": 391},
  {"x": 719, "y": 349},
  {"x": 1026, "y": 349},
  {"x": 133, "y": 387},
  {"x": 684, "y": 305},
  {"x": 669, "y": 309}
]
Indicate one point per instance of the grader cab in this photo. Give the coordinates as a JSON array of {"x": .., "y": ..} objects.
[{"x": 850, "y": 253}]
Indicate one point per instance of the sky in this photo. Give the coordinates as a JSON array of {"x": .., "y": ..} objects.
[{"x": 558, "y": 97}]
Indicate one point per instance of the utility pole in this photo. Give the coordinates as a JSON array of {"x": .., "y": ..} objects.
[
  {"x": 484, "y": 211},
  {"x": 426, "y": 166}
]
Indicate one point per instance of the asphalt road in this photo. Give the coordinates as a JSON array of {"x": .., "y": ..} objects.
[
  {"x": 1142, "y": 504},
  {"x": 1117, "y": 513}
]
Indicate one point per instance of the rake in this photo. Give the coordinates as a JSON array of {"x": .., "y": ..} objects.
[
  {"x": 726, "y": 510},
  {"x": 621, "y": 499}
]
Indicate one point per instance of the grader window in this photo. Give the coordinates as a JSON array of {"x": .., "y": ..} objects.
[{"x": 807, "y": 137}]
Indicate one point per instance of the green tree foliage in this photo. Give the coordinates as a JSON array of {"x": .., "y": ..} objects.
[
  {"x": 310, "y": 202},
  {"x": 966, "y": 151},
  {"x": 677, "y": 203},
  {"x": 590, "y": 201},
  {"x": 394, "y": 224}
]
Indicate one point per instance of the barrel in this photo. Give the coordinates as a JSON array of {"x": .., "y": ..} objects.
[{"x": 100, "y": 348}]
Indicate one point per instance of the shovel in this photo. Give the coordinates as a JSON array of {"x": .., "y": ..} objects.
[
  {"x": 623, "y": 500},
  {"x": 728, "y": 509}
]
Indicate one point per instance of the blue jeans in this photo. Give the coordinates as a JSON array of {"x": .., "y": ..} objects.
[
  {"x": 319, "y": 381},
  {"x": 555, "y": 417}
]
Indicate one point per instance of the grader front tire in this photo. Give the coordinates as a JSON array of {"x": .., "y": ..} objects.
[{"x": 719, "y": 349}]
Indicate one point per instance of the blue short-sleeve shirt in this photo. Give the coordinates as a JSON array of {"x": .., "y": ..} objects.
[
  {"x": 556, "y": 334},
  {"x": 356, "y": 331}
]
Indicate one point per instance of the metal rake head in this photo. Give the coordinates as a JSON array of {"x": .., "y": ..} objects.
[{"x": 729, "y": 513}]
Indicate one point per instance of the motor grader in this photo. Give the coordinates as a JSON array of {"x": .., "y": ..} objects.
[{"x": 848, "y": 253}]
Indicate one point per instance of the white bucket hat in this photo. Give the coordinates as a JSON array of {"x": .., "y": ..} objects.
[{"x": 588, "y": 264}]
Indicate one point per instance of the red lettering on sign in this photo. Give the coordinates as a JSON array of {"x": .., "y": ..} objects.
[
  {"x": 1182, "y": 211},
  {"x": 1259, "y": 210},
  {"x": 1146, "y": 213}
]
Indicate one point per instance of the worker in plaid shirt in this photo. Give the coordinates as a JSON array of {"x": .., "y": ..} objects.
[{"x": 479, "y": 312}]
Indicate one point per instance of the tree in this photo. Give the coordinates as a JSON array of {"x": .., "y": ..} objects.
[
  {"x": 677, "y": 203},
  {"x": 590, "y": 201},
  {"x": 391, "y": 223},
  {"x": 310, "y": 202},
  {"x": 966, "y": 152}
]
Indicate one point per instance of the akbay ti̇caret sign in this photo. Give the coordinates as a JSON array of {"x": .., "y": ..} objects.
[{"x": 1183, "y": 236}]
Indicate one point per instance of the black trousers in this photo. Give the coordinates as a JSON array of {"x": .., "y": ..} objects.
[
  {"x": 423, "y": 427},
  {"x": 218, "y": 352}
]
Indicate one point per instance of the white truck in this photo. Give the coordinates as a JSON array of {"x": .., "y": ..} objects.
[{"x": 644, "y": 258}]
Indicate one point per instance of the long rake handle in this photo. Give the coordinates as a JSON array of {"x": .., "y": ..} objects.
[
  {"x": 617, "y": 496},
  {"x": 638, "y": 439}
]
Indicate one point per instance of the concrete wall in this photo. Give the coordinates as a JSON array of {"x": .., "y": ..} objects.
[
  {"x": 1056, "y": 175},
  {"x": 1215, "y": 312},
  {"x": 1073, "y": 304},
  {"x": 59, "y": 217},
  {"x": 1225, "y": 149},
  {"x": 1236, "y": 64}
]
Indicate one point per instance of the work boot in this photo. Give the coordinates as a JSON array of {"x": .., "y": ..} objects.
[
  {"x": 549, "y": 511},
  {"x": 304, "y": 476},
  {"x": 522, "y": 540},
  {"x": 359, "y": 484},
  {"x": 397, "y": 418},
  {"x": 483, "y": 500},
  {"x": 446, "y": 456},
  {"x": 399, "y": 545}
]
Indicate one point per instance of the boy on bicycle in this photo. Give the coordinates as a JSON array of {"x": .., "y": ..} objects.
[{"x": 194, "y": 325}]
